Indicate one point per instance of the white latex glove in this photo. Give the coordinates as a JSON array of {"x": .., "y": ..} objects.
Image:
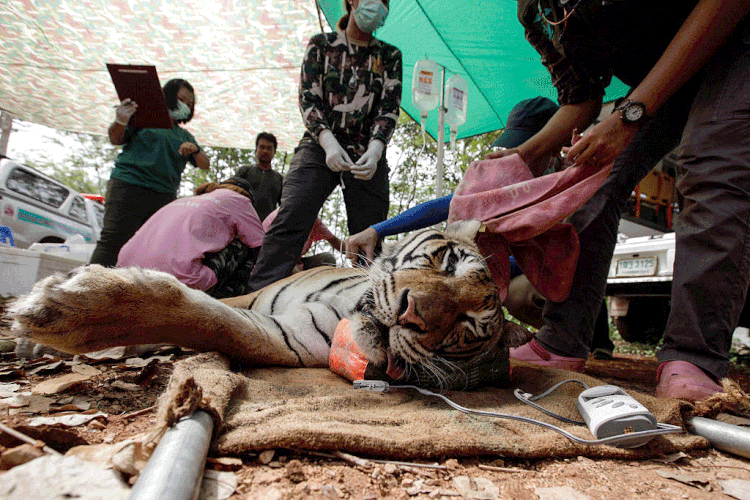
[
  {"x": 367, "y": 164},
  {"x": 336, "y": 157},
  {"x": 125, "y": 111}
]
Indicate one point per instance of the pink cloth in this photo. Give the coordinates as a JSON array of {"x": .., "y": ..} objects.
[
  {"x": 176, "y": 238},
  {"x": 318, "y": 232},
  {"x": 523, "y": 216}
]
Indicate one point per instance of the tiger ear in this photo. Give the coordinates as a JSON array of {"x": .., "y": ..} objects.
[{"x": 466, "y": 229}]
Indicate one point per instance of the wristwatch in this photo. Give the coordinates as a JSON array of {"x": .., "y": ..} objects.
[{"x": 631, "y": 111}]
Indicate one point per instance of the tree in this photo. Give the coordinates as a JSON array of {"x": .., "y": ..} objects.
[
  {"x": 86, "y": 168},
  {"x": 91, "y": 159},
  {"x": 411, "y": 162}
]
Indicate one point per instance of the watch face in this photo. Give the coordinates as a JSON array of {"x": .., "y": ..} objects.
[{"x": 633, "y": 113}]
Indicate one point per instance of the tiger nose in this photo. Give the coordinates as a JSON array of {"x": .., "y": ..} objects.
[{"x": 411, "y": 315}]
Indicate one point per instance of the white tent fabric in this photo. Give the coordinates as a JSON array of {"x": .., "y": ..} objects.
[{"x": 241, "y": 56}]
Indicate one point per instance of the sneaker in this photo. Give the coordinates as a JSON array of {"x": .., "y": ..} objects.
[
  {"x": 533, "y": 352},
  {"x": 683, "y": 380}
]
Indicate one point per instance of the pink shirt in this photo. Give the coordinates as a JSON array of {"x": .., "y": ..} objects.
[
  {"x": 319, "y": 231},
  {"x": 176, "y": 238}
]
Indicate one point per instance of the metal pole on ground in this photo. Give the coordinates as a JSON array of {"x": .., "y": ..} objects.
[
  {"x": 175, "y": 469},
  {"x": 727, "y": 437}
]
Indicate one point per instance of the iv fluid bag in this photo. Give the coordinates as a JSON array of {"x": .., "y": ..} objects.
[
  {"x": 425, "y": 86},
  {"x": 456, "y": 92}
]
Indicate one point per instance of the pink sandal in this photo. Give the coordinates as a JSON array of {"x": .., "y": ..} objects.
[
  {"x": 683, "y": 380},
  {"x": 533, "y": 352}
]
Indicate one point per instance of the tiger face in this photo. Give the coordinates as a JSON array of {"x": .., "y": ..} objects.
[{"x": 432, "y": 302}]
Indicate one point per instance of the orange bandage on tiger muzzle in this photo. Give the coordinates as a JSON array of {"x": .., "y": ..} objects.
[
  {"x": 492, "y": 367},
  {"x": 348, "y": 360}
]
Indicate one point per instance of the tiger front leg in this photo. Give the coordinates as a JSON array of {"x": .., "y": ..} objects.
[{"x": 94, "y": 307}]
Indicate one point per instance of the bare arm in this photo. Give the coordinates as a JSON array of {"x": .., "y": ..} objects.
[
  {"x": 558, "y": 131},
  {"x": 123, "y": 113},
  {"x": 191, "y": 149},
  {"x": 707, "y": 28},
  {"x": 335, "y": 243},
  {"x": 116, "y": 134},
  {"x": 202, "y": 161}
]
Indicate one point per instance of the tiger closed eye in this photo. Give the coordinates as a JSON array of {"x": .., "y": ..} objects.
[{"x": 450, "y": 267}]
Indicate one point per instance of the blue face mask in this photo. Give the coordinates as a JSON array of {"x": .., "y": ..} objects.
[
  {"x": 370, "y": 15},
  {"x": 181, "y": 113}
]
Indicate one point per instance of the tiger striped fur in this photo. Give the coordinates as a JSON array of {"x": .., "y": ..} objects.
[{"x": 427, "y": 301}]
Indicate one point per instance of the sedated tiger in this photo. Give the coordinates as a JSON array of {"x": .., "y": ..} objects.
[{"x": 427, "y": 303}]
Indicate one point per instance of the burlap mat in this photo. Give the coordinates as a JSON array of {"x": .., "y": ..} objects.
[{"x": 314, "y": 409}]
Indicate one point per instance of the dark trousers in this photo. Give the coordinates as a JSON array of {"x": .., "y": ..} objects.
[
  {"x": 712, "y": 233},
  {"x": 306, "y": 187},
  {"x": 126, "y": 209},
  {"x": 712, "y": 264},
  {"x": 232, "y": 267}
]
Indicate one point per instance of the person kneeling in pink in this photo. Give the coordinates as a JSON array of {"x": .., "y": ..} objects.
[{"x": 208, "y": 241}]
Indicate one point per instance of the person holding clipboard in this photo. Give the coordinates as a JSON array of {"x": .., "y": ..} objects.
[{"x": 148, "y": 170}]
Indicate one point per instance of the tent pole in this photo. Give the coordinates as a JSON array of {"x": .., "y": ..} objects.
[
  {"x": 175, "y": 469},
  {"x": 440, "y": 137}
]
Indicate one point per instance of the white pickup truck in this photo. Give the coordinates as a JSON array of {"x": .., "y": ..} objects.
[
  {"x": 639, "y": 285},
  {"x": 40, "y": 209}
]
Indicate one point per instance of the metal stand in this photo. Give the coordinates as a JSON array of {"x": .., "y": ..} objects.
[
  {"x": 727, "y": 437},
  {"x": 440, "y": 137},
  {"x": 175, "y": 470}
]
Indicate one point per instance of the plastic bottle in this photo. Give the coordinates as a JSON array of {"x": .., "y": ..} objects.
[
  {"x": 456, "y": 93},
  {"x": 425, "y": 88}
]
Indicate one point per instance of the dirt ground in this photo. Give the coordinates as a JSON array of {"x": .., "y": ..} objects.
[{"x": 126, "y": 389}]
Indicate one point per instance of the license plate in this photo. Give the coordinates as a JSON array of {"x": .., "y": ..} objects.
[{"x": 645, "y": 266}]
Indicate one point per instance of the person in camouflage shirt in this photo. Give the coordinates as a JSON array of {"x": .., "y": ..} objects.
[
  {"x": 352, "y": 89},
  {"x": 349, "y": 98}
]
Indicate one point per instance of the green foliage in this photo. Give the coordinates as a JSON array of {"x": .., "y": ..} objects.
[{"x": 91, "y": 159}]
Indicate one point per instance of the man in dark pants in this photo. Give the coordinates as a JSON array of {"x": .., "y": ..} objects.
[
  {"x": 350, "y": 95},
  {"x": 689, "y": 68},
  {"x": 308, "y": 185},
  {"x": 265, "y": 181}
]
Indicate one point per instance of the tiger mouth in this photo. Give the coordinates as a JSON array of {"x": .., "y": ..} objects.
[{"x": 396, "y": 365}]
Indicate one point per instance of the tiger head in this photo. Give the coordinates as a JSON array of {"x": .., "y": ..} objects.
[{"x": 432, "y": 303}]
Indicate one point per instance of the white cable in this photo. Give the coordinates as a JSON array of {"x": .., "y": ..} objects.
[{"x": 382, "y": 386}]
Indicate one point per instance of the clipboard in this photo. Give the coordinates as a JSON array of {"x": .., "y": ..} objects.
[{"x": 141, "y": 84}]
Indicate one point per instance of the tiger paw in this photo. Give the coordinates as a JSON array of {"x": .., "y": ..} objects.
[{"x": 90, "y": 307}]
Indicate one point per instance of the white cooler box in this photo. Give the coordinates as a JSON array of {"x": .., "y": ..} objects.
[{"x": 20, "y": 269}]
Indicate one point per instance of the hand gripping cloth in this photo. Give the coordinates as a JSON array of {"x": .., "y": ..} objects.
[{"x": 523, "y": 216}]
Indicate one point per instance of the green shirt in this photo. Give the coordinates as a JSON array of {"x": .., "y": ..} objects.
[{"x": 150, "y": 158}]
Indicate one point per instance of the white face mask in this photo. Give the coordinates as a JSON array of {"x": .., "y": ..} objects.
[
  {"x": 181, "y": 113},
  {"x": 370, "y": 15}
]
